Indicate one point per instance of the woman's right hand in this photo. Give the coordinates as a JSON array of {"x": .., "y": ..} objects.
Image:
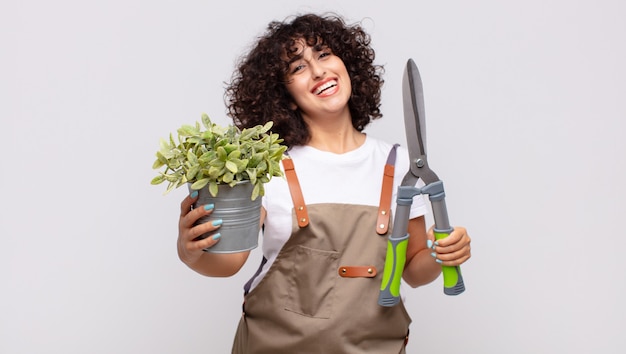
[{"x": 190, "y": 248}]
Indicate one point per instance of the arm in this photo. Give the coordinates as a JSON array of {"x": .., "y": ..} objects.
[
  {"x": 191, "y": 252},
  {"x": 421, "y": 267}
]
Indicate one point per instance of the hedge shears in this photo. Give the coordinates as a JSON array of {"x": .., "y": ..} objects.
[{"x": 414, "y": 122}]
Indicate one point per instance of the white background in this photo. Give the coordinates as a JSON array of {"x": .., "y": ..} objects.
[{"x": 525, "y": 112}]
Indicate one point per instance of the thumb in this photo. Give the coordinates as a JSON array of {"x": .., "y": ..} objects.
[{"x": 430, "y": 235}]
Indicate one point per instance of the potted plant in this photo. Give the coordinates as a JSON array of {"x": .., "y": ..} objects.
[{"x": 228, "y": 167}]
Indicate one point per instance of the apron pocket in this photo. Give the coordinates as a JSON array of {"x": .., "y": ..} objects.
[{"x": 312, "y": 282}]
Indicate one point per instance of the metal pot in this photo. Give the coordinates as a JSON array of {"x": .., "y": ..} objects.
[{"x": 240, "y": 217}]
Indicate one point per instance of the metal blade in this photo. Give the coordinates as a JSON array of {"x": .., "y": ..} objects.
[
  {"x": 414, "y": 116},
  {"x": 415, "y": 122}
]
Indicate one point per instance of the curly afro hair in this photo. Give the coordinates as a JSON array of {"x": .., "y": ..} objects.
[{"x": 257, "y": 91}]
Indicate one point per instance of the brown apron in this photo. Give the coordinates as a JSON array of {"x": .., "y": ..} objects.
[{"x": 321, "y": 293}]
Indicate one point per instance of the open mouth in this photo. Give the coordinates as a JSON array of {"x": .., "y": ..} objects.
[{"x": 325, "y": 86}]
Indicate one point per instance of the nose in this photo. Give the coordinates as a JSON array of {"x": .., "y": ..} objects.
[{"x": 317, "y": 70}]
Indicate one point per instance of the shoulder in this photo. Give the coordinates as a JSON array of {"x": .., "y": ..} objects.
[
  {"x": 383, "y": 148},
  {"x": 383, "y": 145},
  {"x": 376, "y": 143}
]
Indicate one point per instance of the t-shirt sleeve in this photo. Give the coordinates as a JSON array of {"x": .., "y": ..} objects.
[{"x": 421, "y": 205}]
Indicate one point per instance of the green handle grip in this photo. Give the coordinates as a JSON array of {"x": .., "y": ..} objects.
[
  {"x": 452, "y": 278},
  {"x": 392, "y": 276}
]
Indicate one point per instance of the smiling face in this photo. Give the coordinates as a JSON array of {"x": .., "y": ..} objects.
[{"x": 318, "y": 81}]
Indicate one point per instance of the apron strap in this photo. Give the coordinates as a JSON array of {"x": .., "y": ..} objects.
[
  {"x": 248, "y": 285},
  {"x": 296, "y": 193},
  {"x": 386, "y": 192}
]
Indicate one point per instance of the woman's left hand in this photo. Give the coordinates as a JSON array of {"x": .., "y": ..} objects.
[{"x": 452, "y": 250}]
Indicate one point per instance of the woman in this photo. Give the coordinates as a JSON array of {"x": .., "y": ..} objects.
[{"x": 325, "y": 225}]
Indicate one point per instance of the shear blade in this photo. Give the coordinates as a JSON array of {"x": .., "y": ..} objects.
[
  {"x": 415, "y": 122},
  {"x": 413, "y": 98}
]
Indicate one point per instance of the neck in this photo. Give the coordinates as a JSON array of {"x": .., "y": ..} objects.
[
  {"x": 333, "y": 132},
  {"x": 337, "y": 140}
]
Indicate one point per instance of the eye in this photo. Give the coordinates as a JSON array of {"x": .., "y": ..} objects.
[
  {"x": 325, "y": 54},
  {"x": 296, "y": 67}
]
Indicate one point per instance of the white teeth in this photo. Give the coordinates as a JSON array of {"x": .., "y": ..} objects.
[{"x": 327, "y": 85}]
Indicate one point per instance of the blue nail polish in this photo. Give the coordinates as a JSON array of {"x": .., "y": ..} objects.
[
  {"x": 438, "y": 261},
  {"x": 208, "y": 207},
  {"x": 217, "y": 222},
  {"x": 217, "y": 236},
  {"x": 194, "y": 194},
  {"x": 433, "y": 254},
  {"x": 429, "y": 244}
]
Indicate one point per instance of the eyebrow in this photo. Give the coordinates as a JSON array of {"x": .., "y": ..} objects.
[
  {"x": 294, "y": 59},
  {"x": 316, "y": 48}
]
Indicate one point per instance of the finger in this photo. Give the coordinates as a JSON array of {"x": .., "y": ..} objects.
[
  {"x": 463, "y": 243},
  {"x": 430, "y": 241},
  {"x": 189, "y": 220},
  {"x": 448, "y": 245},
  {"x": 201, "y": 236},
  {"x": 195, "y": 245},
  {"x": 458, "y": 234},
  {"x": 197, "y": 232},
  {"x": 450, "y": 252},
  {"x": 453, "y": 259},
  {"x": 185, "y": 205},
  {"x": 208, "y": 242}
]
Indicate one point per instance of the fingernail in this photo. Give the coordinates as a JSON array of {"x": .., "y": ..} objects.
[
  {"x": 217, "y": 236},
  {"x": 208, "y": 207},
  {"x": 436, "y": 243},
  {"x": 429, "y": 244},
  {"x": 438, "y": 261},
  {"x": 194, "y": 194},
  {"x": 433, "y": 254},
  {"x": 217, "y": 222}
]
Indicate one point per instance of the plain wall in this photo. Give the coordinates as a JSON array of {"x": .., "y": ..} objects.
[{"x": 525, "y": 114}]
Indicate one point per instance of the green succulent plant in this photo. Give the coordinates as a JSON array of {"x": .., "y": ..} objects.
[{"x": 210, "y": 154}]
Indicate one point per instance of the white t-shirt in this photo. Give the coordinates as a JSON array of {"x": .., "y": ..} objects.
[{"x": 354, "y": 177}]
